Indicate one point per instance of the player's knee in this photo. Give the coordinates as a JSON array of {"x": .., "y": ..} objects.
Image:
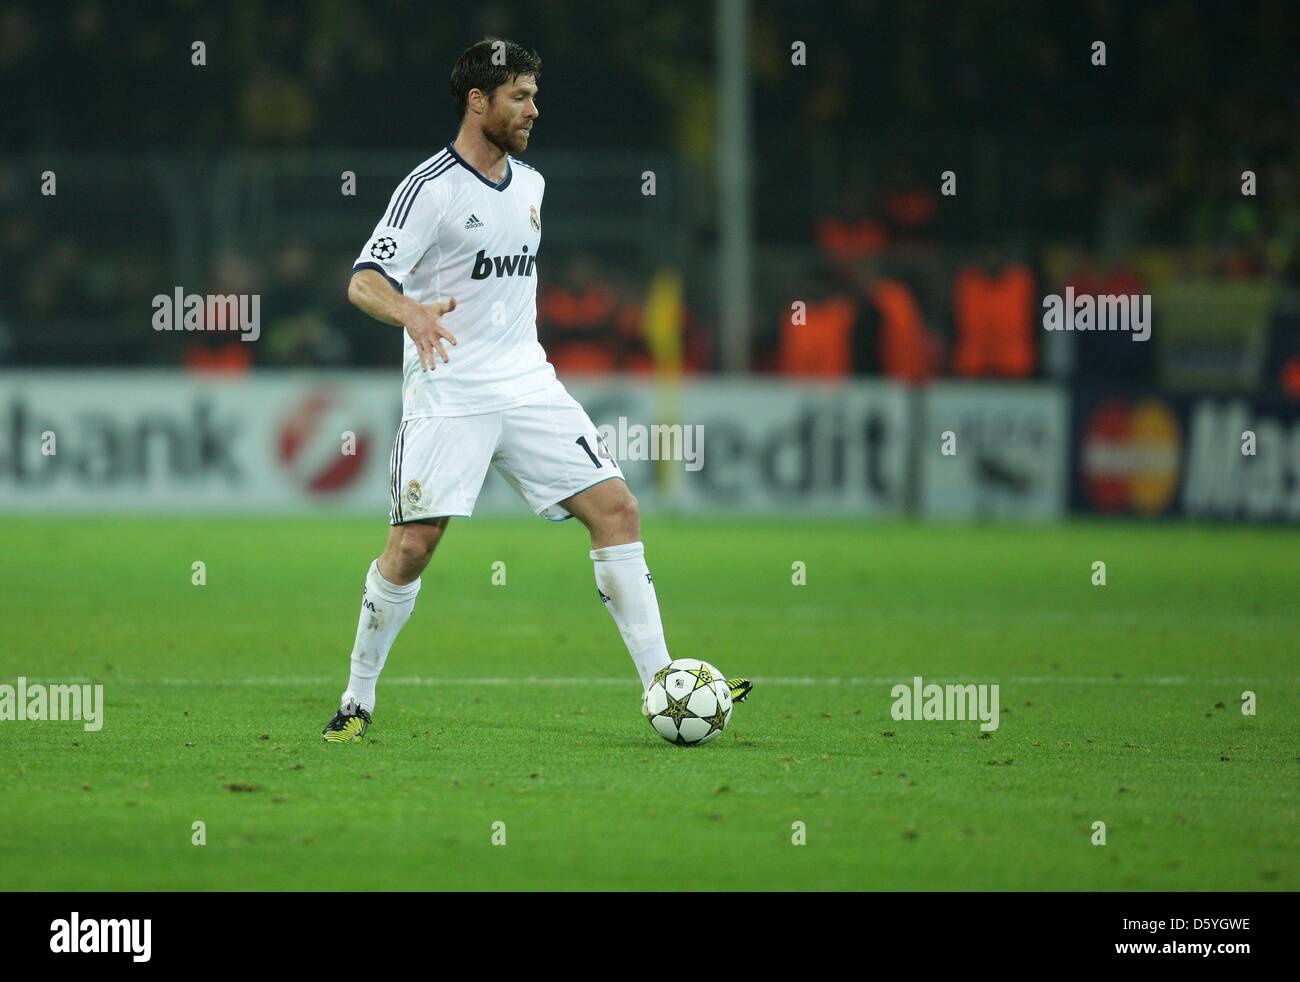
[
  {"x": 627, "y": 515},
  {"x": 416, "y": 546}
]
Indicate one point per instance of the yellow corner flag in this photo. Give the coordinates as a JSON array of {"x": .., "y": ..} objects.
[{"x": 662, "y": 329}]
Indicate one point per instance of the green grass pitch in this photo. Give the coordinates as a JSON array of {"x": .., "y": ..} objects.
[{"x": 1121, "y": 703}]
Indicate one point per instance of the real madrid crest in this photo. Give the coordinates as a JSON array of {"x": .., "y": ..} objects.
[
  {"x": 414, "y": 492},
  {"x": 532, "y": 217}
]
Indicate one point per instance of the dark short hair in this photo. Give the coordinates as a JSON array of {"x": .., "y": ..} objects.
[{"x": 474, "y": 69}]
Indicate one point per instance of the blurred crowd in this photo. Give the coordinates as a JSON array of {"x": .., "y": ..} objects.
[
  {"x": 1109, "y": 178},
  {"x": 893, "y": 292}
]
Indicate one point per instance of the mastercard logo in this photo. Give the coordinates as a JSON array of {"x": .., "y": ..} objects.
[{"x": 1131, "y": 457}]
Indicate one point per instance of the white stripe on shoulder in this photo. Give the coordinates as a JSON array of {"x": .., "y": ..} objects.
[
  {"x": 438, "y": 157},
  {"x": 421, "y": 171}
]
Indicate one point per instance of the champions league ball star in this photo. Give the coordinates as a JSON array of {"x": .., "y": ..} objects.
[{"x": 689, "y": 702}]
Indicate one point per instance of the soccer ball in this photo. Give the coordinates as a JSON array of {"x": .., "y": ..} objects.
[{"x": 688, "y": 702}]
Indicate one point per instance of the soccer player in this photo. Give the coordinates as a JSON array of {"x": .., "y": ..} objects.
[{"x": 453, "y": 261}]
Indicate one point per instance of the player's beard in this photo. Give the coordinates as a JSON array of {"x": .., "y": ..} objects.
[{"x": 506, "y": 138}]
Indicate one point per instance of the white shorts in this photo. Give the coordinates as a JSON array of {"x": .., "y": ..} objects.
[{"x": 546, "y": 451}]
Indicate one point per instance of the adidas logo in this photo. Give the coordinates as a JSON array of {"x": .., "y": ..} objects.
[{"x": 473, "y": 222}]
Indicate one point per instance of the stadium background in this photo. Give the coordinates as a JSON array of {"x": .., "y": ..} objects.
[
  {"x": 775, "y": 184},
  {"x": 227, "y": 178}
]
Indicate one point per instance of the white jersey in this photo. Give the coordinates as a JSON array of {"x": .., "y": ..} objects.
[{"x": 450, "y": 232}]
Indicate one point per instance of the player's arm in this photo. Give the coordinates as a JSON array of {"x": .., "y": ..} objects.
[
  {"x": 372, "y": 294},
  {"x": 407, "y": 231}
]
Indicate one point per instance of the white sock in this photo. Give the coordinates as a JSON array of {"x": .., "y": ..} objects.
[
  {"x": 385, "y": 608},
  {"x": 627, "y": 590}
]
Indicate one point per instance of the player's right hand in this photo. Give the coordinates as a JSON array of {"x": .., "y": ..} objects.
[{"x": 424, "y": 326}]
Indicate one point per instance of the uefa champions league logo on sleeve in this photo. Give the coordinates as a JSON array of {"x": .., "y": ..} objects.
[{"x": 383, "y": 248}]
